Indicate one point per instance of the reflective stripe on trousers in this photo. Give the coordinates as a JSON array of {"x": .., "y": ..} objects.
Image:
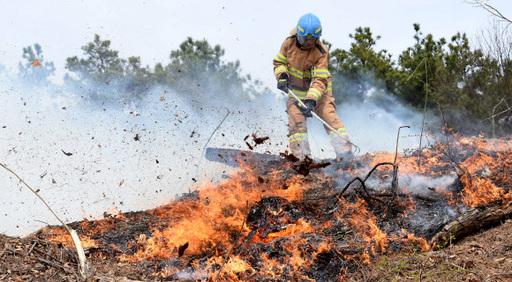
[{"x": 326, "y": 109}]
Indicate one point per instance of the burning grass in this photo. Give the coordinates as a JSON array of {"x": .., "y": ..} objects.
[{"x": 267, "y": 222}]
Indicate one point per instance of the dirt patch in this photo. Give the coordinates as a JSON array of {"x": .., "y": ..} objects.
[{"x": 482, "y": 257}]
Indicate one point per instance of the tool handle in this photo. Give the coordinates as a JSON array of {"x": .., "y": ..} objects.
[{"x": 299, "y": 101}]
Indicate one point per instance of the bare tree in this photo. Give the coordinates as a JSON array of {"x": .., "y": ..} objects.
[
  {"x": 484, "y": 4},
  {"x": 496, "y": 41}
]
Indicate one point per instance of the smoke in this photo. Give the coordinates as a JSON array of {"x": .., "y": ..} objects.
[
  {"x": 372, "y": 117},
  {"x": 424, "y": 185},
  {"x": 90, "y": 154}
]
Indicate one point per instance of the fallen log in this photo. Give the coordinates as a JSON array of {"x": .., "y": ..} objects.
[{"x": 470, "y": 222}]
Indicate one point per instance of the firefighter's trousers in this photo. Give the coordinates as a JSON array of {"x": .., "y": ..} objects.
[{"x": 297, "y": 130}]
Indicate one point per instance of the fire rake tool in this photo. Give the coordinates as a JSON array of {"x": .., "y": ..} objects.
[{"x": 302, "y": 105}]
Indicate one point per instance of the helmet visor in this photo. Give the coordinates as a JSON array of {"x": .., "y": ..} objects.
[{"x": 305, "y": 39}]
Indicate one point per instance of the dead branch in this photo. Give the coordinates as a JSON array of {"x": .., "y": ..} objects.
[
  {"x": 496, "y": 40},
  {"x": 368, "y": 198},
  {"x": 31, "y": 248},
  {"x": 475, "y": 219},
  {"x": 53, "y": 264},
  {"x": 363, "y": 184},
  {"x": 490, "y": 9}
]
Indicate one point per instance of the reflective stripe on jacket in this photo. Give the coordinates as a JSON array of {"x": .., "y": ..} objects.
[{"x": 307, "y": 69}]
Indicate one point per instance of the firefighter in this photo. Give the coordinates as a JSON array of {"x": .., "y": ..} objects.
[{"x": 302, "y": 66}]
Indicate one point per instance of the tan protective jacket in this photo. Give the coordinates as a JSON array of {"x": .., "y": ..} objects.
[{"x": 307, "y": 69}]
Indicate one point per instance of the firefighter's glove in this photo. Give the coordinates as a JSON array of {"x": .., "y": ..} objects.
[
  {"x": 310, "y": 106},
  {"x": 282, "y": 82}
]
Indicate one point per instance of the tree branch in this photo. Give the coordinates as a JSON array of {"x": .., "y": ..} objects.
[{"x": 490, "y": 9}]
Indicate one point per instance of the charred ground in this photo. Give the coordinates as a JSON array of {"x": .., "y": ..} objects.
[{"x": 268, "y": 222}]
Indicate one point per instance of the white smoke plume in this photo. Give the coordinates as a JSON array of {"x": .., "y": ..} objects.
[
  {"x": 87, "y": 158},
  {"x": 373, "y": 118}
]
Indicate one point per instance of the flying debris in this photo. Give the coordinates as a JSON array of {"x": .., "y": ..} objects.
[{"x": 255, "y": 141}]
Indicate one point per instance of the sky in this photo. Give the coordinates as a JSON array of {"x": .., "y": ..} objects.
[
  {"x": 250, "y": 31},
  {"x": 122, "y": 173}
]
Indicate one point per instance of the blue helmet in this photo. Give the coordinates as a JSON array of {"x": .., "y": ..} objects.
[{"x": 309, "y": 26}]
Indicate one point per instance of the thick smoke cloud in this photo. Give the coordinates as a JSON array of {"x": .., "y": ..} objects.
[{"x": 88, "y": 156}]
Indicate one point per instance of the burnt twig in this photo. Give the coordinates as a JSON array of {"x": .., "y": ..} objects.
[
  {"x": 31, "y": 248},
  {"x": 375, "y": 167},
  {"x": 259, "y": 140},
  {"x": 349, "y": 183},
  {"x": 367, "y": 197},
  {"x": 53, "y": 264},
  {"x": 182, "y": 248},
  {"x": 363, "y": 182},
  {"x": 255, "y": 140}
]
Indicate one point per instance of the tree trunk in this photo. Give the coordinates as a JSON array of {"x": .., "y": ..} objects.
[{"x": 473, "y": 221}]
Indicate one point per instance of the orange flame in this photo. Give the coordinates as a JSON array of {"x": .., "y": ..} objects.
[
  {"x": 214, "y": 222},
  {"x": 36, "y": 63},
  {"x": 365, "y": 223},
  {"x": 479, "y": 191},
  {"x": 205, "y": 224}
]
